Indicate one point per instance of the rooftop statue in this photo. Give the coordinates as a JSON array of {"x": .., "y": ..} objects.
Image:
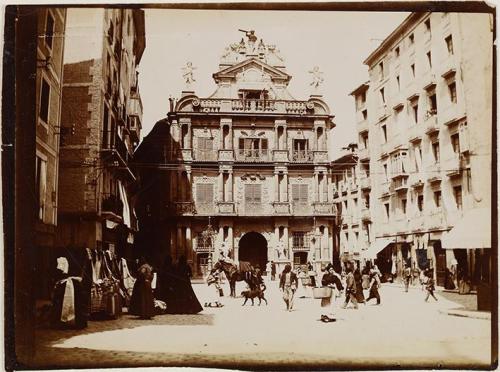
[
  {"x": 318, "y": 79},
  {"x": 187, "y": 74}
]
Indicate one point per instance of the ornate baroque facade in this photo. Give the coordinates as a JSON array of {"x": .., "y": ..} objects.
[{"x": 250, "y": 159}]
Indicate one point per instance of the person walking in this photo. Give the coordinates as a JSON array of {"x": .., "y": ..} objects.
[
  {"x": 311, "y": 273},
  {"x": 185, "y": 300},
  {"x": 407, "y": 276},
  {"x": 360, "y": 297},
  {"x": 350, "y": 292},
  {"x": 374, "y": 286},
  {"x": 429, "y": 287},
  {"x": 331, "y": 280},
  {"x": 288, "y": 285}
]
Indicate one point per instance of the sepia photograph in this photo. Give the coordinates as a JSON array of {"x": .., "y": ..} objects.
[{"x": 250, "y": 186}]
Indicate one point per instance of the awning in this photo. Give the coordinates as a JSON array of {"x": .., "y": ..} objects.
[
  {"x": 376, "y": 247},
  {"x": 472, "y": 231},
  {"x": 126, "y": 209}
]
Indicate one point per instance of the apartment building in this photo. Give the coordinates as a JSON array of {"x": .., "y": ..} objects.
[
  {"x": 100, "y": 128},
  {"x": 351, "y": 197},
  {"x": 424, "y": 123},
  {"x": 51, "y": 24},
  {"x": 251, "y": 160}
]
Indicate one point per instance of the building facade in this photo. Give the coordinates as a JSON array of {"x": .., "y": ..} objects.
[
  {"x": 51, "y": 24},
  {"x": 424, "y": 123},
  {"x": 100, "y": 128},
  {"x": 250, "y": 160},
  {"x": 351, "y": 197}
]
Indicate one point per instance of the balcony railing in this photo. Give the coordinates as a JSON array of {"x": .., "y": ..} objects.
[
  {"x": 365, "y": 214},
  {"x": 254, "y": 208},
  {"x": 400, "y": 184},
  {"x": 205, "y": 155},
  {"x": 302, "y": 156},
  {"x": 365, "y": 183},
  {"x": 252, "y": 155},
  {"x": 254, "y": 105},
  {"x": 205, "y": 208},
  {"x": 118, "y": 147},
  {"x": 135, "y": 106},
  {"x": 226, "y": 155},
  {"x": 226, "y": 207},
  {"x": 280, "y": 155},
  {"x": 300, "y": 248},
  {"x": 431, "y": 124},
  {"x": 184, "y": 208},
  {"x": 320, "y": 156},
  {"x": 455, "y": 165},
  {"x": 281, "y": 208},
  {"x": 301, "y": 208},
  {"x": 112, "y": 204}
]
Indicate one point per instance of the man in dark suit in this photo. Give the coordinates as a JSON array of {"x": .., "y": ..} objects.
[{"x": 288, "y": 284}]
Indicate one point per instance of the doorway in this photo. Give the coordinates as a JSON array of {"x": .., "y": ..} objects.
[{"x": 253, "y": 248}]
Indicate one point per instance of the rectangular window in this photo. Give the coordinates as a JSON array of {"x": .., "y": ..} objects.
[
  {"x": 452, "y": 90},
  {"x": 300, "y": 144},
  {"x": 468, "y": 180},
  {"x": 299, "y": 239},
  {"x": 382, "y": 96},
  {"x": 49, "y": 30},
  {"x": 397, "y": 52},
  {"x": 385, "y": 172},
  {"x": 381, "y": 70},
  {"x": 253, "y": 194},
  {"x": 387, "y": 212},
  {"x": 432, "y": 102},
  {"x": 457, "y": 192},
  {"x": 420, "y": 202},
  {"x": 398, "y": 83},
  {"x": 429, "y": 59},
  {"x": 41, "y": 185},
  {"x": 204, "y": 193},
  {"x": 105, "y": 128},
  {"x": 455, "y": 143},
  {"x": 449, "y": 44},
  {"x": 300, "y": 193},
  {"x": 414, "y": 108},
  {"x": 412, "y": 67},
  {"x": 364, "y": 139},
  {"x": 411, "y": 38},
  {"x": 384, "y": 133},
  {"x": 403, "y": 206},
  {"x": 435, "y": 151},
  {"x": 365, "y": 114},
  {"x": 437, "y": 198},
  {"x": 363, "y": 97},
  {"x": 45, "y": 101}
]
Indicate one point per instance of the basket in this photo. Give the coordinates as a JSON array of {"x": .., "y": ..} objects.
[{"x": 324, "y": 292}]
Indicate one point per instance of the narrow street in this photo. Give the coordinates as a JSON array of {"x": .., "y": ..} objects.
[{"x": 402, "y": 331}]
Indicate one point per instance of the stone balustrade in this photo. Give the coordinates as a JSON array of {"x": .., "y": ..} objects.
[
  {"x": 226, "y": 155},
  {"x": 320, "y": 156},
  {"x": 280, "y": 155},
  {"x": 212, "y": 105},
  {"x": 323, "y": 208},
  {"x": 226, "y": 207},
  {"x": 281, "y": 208}
]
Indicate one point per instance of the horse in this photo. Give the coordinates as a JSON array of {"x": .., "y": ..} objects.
[{"x": 233, "y": 274}]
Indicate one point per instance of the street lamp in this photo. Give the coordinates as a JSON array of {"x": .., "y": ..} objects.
[{"x": 207, "y": 236}]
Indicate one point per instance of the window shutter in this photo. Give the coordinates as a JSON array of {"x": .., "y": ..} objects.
[
  {"x": 463, "y": 135},
  {"x": 205, "y": 193},
  {"x": 264, "y": 144},
  {"x": 241, "y": 143},
  {"x": 295, "y": 193},
  {"x": 303, "y": 193}
]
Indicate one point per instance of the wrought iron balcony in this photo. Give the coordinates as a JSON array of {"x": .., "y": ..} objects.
[
  {"x": 300, "y": 248},
  {"x": 299, "y": 156},
  {"x": 252, "y": 155}
]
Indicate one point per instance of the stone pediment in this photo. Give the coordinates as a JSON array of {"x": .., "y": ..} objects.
[{"x": 251, "y": 70}]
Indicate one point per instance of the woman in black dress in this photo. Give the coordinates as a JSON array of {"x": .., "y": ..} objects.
[
  {"x": 184, "y": 299},
  {"x": 142, "y": 300},
  {"x": 358, "y": 279}
]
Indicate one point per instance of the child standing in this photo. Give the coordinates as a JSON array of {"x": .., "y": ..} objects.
[
  {"x": 430, "y": 286},
  {"x": 214, "y": 279}
]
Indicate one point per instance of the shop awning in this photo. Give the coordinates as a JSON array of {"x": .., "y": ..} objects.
[
  {"x": 376, "y": 247},
  {"x": 472, "y": 231},
  {"x": 126, "y": 209}
]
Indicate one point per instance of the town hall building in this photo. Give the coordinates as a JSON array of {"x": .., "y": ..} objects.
[{"x": 243, "y": 173}]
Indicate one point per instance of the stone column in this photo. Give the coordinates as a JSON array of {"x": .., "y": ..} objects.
[
  {"x": 189, "y": 244},
  {"x": 326, "y": 242},
  {"x": 230, "y": 186},
  {"x": 285, "y": 191},
  {"x": 230, "y": 247},
  {"x": 276, "y": 187},
  {"x": 277, "y": 238},
  {"x": 316, "y": 188},
  {"x": 287, "y": 247},
  {"x": 189, "y": 137},
  {"x": 221, "y": 186},
  {"x": 276, "y": 139},
  {"x": 318, "y": 247},
  {"x": 178, "y": 245}
]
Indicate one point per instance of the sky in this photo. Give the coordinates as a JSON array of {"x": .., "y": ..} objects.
[{"x": 336, "y": 42}]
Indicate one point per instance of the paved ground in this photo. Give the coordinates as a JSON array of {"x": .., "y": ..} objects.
[{"x": 402, "y": 331}]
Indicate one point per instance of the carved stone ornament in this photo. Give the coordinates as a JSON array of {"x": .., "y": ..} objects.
[
  {"x": 310, "y": 105},
  {"x": 196, "y": 102}
]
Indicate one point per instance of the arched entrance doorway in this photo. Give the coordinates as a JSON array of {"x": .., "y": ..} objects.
[{"x": 253, "y": 248}]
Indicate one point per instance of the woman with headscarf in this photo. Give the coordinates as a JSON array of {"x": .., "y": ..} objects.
[
  {"x": 358, "y": 280},
  {"x": 288, "y": 284},
  {"x": 142, "y": 300},
  {"x": 184, "y": 299}
]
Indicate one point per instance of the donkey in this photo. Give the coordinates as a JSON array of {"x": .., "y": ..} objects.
[{"x": 233, "y": 274}]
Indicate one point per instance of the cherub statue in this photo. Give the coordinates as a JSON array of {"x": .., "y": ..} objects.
[
  {"x": 187, "y": 74},
  {"x": 317, "y": 77}
]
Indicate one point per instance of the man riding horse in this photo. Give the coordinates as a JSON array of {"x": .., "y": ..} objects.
[{"x": 245, "y": 273}]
